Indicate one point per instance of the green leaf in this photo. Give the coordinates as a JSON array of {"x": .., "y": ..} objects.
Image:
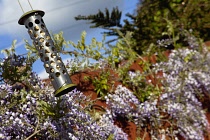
[
  {"x": 46, "y": 108},
  {"x": 12, "y": 49},
  {"x": 6, "y": 52},
  {"x": 115, "y": 52}
]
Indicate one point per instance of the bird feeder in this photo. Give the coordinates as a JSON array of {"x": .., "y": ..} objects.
[{"x": 42, "y": 41}]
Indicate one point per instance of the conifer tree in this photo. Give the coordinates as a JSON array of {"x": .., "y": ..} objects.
[
  {"x": 151, "y": 19},
  {"x": 104, "y": 20}
]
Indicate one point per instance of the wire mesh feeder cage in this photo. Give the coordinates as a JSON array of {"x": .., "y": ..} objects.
[{"x": 53, "y": 64}]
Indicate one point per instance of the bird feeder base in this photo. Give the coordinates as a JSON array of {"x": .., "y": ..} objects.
[{"x": 64, "y": 89}]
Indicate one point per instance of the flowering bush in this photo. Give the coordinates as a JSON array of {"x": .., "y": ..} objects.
[
  {"x": 29, "y": 109},
  {"x": 28, "y": 114},
  {"x": 177, "y": 111},
  {"x": 186, "y": 78}
]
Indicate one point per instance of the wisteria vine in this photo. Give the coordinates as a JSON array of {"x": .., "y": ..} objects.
[{"x": 29, "y": 110}]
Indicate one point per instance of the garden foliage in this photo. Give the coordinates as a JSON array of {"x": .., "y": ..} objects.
[
  {"x": 30, "y": 110},
  {"x": 150, "y": 21}
]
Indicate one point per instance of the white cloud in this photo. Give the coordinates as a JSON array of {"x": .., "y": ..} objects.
[{"x": 43, "y": 74}]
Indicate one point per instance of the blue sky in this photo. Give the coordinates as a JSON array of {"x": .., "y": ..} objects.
[{"x": 59, "y": 16}]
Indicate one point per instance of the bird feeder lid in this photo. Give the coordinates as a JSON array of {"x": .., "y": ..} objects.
[{"x": 29, "y": 13}]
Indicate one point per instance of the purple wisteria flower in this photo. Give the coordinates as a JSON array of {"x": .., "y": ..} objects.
[
  {"x": 125, "y": 104},
  {"x": 183, "y": 82},
  {"x": 24, "y": 114},
  {"x": 186, "y": 76}
]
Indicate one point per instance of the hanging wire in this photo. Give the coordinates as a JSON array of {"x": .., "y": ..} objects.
[
  {"x": 21, "y": 6},
  {"x": 30, "y": 5}
]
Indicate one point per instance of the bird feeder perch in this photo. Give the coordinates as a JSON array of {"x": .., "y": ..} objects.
[{"x": 53, "y": 64}]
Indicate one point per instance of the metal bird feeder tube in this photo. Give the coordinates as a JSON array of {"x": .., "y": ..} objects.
[{"x": 53, "y": 64}]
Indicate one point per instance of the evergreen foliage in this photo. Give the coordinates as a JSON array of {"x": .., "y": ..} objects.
[
  {"x": 150, "y": 21},
  {"x": 104, "y": 20}
]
